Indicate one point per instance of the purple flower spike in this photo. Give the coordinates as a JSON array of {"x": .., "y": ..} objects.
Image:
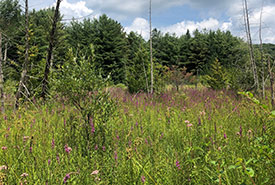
[
  {"x": 53, "y": 144},
  {"x": 67, "y": 177},
  {"x": 224, "y": 135},
  {"x": 241, "y": 131},
  {"x": 178, "y": 164},
  {"x": 143, "y": 179}
]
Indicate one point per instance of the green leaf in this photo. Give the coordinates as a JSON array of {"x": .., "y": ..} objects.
[
  {"x": 250, "y": 172},
  {"x": 232, "y": 167}
]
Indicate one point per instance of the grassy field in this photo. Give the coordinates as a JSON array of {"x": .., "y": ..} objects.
[{"x": 197, "y": 136}]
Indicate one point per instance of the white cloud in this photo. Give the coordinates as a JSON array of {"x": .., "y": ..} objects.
[
  {"x": 209, "y": 24},
  {"x": 140, "y": 26},
  {"x": 76, "y": 10}
]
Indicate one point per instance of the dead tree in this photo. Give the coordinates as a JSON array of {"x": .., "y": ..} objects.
[
  {"x": 45, "y": 82},
  {"x": 151, "y": 48},
  {"x": 1, "y": 78},
  {"x": 261, "y": 51},
  {"x": 271, "y": 74},
  {"x": 250, "y": 44},
  {"x": 22, "y": 82}
]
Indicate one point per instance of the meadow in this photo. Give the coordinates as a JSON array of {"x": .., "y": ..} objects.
[{"x": 194, "y": 136}]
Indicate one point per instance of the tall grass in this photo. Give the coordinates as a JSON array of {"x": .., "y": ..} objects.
[{"x": 191, "y": 137}]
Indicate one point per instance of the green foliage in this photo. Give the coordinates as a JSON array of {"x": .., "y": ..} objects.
[
  {"x": 163, "y": 139},
  {"x": 82, "y": 85},
  {"x": 217, "y": 79},
  {"x": 178, "y": 76},
  {"x": 138, "y": 71}
]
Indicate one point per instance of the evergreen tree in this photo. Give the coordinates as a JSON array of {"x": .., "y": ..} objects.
[
  {"x": 217, "y": 79},
  {"x": 109, "y": 40}
]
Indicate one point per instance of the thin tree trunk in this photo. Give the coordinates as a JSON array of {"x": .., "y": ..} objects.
[
  {"x": 151, "y": 48},
  {"x": 271, "y": 84},
  {"x": 1, "y": 78},
  {"x": 261, "y": 50},
  {"x": 50, "y": 51},
  {"x": 26, "y": 62},
  {"x": 5, "y": 53},
  {"x": 251, "y": 51},
  {"x": 146, "y": 79}
]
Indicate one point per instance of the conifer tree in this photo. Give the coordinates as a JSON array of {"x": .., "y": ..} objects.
[{"x": 217, "y": 79}]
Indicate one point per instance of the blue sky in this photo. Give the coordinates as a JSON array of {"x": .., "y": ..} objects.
[{"x": 174, "y": 16}]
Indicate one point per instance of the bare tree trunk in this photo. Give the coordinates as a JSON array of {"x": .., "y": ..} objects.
[
  {"x": 50, "y": 51},
  {"x": 261, "y": 50},
  {"x": 271, "y": 84},
  {"x": 26, "y": 62},
  {"x": 251, "y": 51},
  {"x": 146, "y": 79},
  {"x": 1, "y": 78},
  {"x": 5, "y": 53},
  {"x": 151, "y": 48}
]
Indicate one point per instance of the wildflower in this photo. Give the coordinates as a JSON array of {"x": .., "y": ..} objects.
[
  {"x": 224, "y": 135},
  {"x": 143, "y": 179},
  {"x": 3, "y": 167},
  {"x": 30, "y": 149},
  {"x": 24, "y": 175},
  {"x": 95, "y": 172},
  {"x": 68, "y": 149},
  {"x": 67, "y": 177},
  {"x": 104, "y": 148},
  {"x": 58, "y": 158},
  {"x": 93, "y": 128},
  {"x": 161, "y": 136},
  {"x": 49, "y": 161},
  {"x": 146, "y": 141},
  {"x": 53, "y": 143},
  {"x": 189, "y": 125},
  {"x": 96, "y": 147},
  {"x": 115, "y": 155},
  {"x": 178, "y": 164},
  {"x": 4, "y": 148},
  {"x": 199, "y": 121},
  {"x": 202, "y": 113},
  {"x": 241, "y": 131},
  {"x": 25, "y": 138},
  {"x": 186, "y": 121}
]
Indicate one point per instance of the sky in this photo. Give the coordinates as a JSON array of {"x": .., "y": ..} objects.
[{"x": 174, "y": 16}]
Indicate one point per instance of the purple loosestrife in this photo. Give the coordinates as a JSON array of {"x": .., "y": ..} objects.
[
  {"x": 68, "y": 149},
  {"x": 178, "y": 165},
  {"x": 53, "y": 143},
  {"x": 66, "y": 178},
  {"x": 224, "y": 136},
  {"x": 143, "y": 179},
  {"x": 241, "y": 131},
  {"x": 58, "y": 158},
  {"x": 115, "y": 156},
  {"x": 64, "y": 122}
]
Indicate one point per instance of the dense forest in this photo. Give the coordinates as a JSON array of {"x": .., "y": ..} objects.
[
  {"x": 123, "y": 57},
  {"x": 76, "y": 105}
]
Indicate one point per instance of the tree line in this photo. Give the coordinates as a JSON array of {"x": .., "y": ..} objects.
[{"x": 215, "y": 58}]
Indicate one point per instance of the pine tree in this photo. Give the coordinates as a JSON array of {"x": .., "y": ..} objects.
[{"x": 217, "y": 79}]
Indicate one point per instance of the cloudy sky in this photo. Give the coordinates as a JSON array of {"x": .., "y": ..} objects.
[{"x": 174, "y": 16}]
